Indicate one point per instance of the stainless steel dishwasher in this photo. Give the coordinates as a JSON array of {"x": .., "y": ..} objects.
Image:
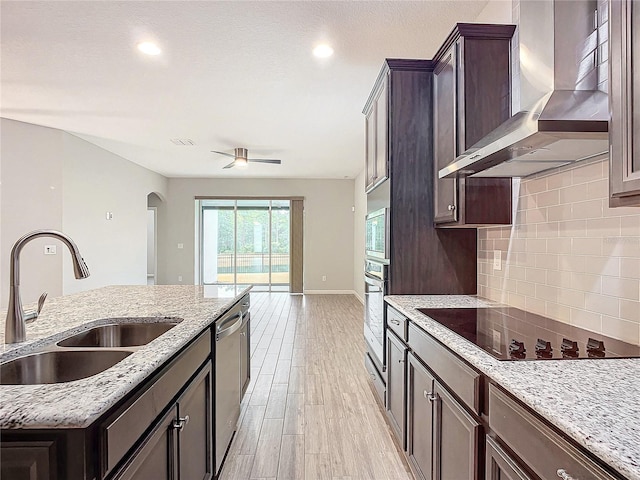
[{"x": 227, "y": 375}]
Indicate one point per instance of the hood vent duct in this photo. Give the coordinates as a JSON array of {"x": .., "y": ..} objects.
[{"x": 559, "y": 87}]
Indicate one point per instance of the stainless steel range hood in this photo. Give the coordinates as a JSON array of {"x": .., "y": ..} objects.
[{"x": 558, "y": 89}]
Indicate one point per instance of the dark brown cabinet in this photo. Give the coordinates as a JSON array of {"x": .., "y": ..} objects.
[
  {"x": 499, "y": 465},
  {"x": 624, "y": 97},
  {"x": 28, "y": 460},
  {"x": 471, "y": 97},
  {"x": 456, "y": 438},
  {"x": 376, "y": 160},
  {"x": 396, "y": 385},
  {"x": 420, "y": 418},
  {"x": 180, "y": 445}
]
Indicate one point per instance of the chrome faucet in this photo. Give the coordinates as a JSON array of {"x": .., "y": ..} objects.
[{"x": 15, "y": 327}]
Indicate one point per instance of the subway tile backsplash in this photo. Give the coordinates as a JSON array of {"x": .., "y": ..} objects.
[{"x": 568, "y": 255}]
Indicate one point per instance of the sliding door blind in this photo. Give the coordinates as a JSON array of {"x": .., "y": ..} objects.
[{"x": 296, "y": 245}]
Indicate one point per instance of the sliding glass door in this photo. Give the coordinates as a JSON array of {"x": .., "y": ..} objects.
[{"x": 246, "y": 241}]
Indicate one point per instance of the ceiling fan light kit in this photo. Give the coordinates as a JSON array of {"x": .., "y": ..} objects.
[{"x": 241, "y": 158}]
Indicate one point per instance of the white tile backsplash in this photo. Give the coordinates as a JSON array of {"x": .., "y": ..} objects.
[{"x": 568, "y": 255}]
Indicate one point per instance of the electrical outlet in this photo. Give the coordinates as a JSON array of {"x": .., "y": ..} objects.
[
  {"x": 497, "y": 260},
  {"x": 50, "y": 249},
  {"x": 108, "y": 215},
  {"x": 179, "y": 278},
  {"x": 324, "y": 278},
  {"x": 181, "y": 246}
]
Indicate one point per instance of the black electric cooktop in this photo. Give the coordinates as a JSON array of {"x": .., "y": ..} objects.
[{"x": 508, "y": 333}]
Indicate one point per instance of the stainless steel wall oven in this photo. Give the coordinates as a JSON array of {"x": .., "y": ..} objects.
[{"x": 375, "y": 289}]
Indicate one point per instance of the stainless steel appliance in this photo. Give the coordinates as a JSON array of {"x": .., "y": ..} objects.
[
  {"x": 227, "y": 351},
  {"x": 377, "y": 234},
  {"x": 508, "y": 333},
  {"x": 375, "y": 289}
]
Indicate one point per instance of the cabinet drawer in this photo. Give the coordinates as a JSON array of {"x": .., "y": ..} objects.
[
  {"x": 123, "y": 429},
  {"x": 458, "y": 376},
  {"x": 375, "y": 377},
  {"x": 397, "y": 322},
  {"x": 542, "y": 449}
]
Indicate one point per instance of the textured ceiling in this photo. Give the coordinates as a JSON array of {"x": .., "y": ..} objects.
[{"x": 232, "y": 74}]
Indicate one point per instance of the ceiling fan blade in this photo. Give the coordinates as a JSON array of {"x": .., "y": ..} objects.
[
  {"x": 230, "y": 165},
  {"x": 223, "y": 153},
  {"x": 264, "y": 160}
]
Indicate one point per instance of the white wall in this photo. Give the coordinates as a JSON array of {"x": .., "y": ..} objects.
[
  {"x": 328, "y": 227},
  {"x": 360, "y": 203},
  {"x": 496, "y": 11},
  {"x": 31, "y": 167},
  {"x": 55, "y": 180}
]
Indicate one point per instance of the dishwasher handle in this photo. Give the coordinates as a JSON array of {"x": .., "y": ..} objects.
[{"x": 222, "y": 331}]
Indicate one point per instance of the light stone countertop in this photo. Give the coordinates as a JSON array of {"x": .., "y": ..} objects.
[
  {"x": 79, "y": 403},
  {"x": 595, "y": 402}
]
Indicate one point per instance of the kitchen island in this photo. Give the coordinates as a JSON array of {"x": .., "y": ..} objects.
[
  {"x": 594, "y": 402},
  {"x": 85, "y": 405}
]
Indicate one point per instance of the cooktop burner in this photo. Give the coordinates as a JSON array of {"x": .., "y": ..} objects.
[{"x": 508, "y": 333}]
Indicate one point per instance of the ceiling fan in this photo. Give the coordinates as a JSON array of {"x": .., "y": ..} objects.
[{"x": 240, "y": 158}]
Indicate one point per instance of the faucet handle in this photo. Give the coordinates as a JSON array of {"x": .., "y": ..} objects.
[
  {"x": 41, "y": 300},
  {"x": 31, "y": 316}
]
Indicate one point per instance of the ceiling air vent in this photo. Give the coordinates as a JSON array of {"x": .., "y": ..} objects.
[{"x": 185, "y": 142}]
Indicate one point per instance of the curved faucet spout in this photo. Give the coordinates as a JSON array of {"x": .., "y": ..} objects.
[{"x": 15, "y": 330}]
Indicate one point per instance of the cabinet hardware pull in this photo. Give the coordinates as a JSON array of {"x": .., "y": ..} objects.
[
  {"x": 562, "y": 473},
  {"x": 246, "y": 304},
  {"x": 400, "y": 361},
  {"x": 180, "y": 423},
  {"x": 395, "y": 322},
  {"x": 451, "y": 208},
  {"x": 429, "y": 396}
]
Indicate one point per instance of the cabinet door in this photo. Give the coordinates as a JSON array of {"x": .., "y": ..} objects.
[
  {"x": 420, "y": 397},
  {"x": 456, "y": 440},
  {"x": 500, "y": 466},
  {"x": 155, "y": 458},
  {"x": 396, "y": 385},
  {"x": 245, "y": 355},
  {"x": 382, "y": 166},
  {"x": 194, "y": 426},
  {"x": 624, "y": 91},
  {"x": 444, "y": 124},
  {"x": 28, "y": 460},
  {"x": 370, "y": 148}
]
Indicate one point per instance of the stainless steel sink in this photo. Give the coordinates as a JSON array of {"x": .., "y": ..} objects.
[
  {"x": 58, "y": 366},
  {"x": 119, "y": 335}
]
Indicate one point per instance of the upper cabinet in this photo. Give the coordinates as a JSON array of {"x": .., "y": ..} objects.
[
  {"x": 624, "y": 97},
  {"x": 376, "y": 159},
  {"x": 471, "y": 97}
]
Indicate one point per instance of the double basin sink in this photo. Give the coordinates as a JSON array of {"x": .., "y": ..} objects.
[{"x": 85, "y": 353}]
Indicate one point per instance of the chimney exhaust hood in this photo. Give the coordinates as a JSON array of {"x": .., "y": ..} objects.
[{"x": 558, "y": 89}]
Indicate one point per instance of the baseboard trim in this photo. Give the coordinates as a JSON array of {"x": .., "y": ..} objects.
[
  {"x": 329, "y": 292},
  {"x": 358, "y": 297}
]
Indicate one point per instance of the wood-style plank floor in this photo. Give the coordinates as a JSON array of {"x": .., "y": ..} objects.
[{"x": 309, "y": 412}]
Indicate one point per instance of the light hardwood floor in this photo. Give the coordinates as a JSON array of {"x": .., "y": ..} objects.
[{"x": 309, "y": 413}]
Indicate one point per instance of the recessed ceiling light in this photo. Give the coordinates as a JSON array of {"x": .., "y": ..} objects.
[
  {"x": 149, "y": 48},
  {"x": 323, "y": 51}
]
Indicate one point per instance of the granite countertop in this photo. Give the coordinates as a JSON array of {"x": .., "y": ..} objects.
[
  {"x": 595, "y": 402},
  {"x": 79, "y": 403}
]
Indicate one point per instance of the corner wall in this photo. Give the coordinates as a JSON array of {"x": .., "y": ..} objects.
[{"x": 52, "y": 179}]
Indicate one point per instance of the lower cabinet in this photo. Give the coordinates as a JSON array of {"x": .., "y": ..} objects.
[
  {"x": 442, "y": 438},
  {"x": 456, "y": 438},
  {"x": 28, "y": 460},
  {"x": 396, "y": 385},
  {"x": 180, "y": 445},
  {"x": 499, "y": 465},
  {"x": 420, "y": 426}
]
